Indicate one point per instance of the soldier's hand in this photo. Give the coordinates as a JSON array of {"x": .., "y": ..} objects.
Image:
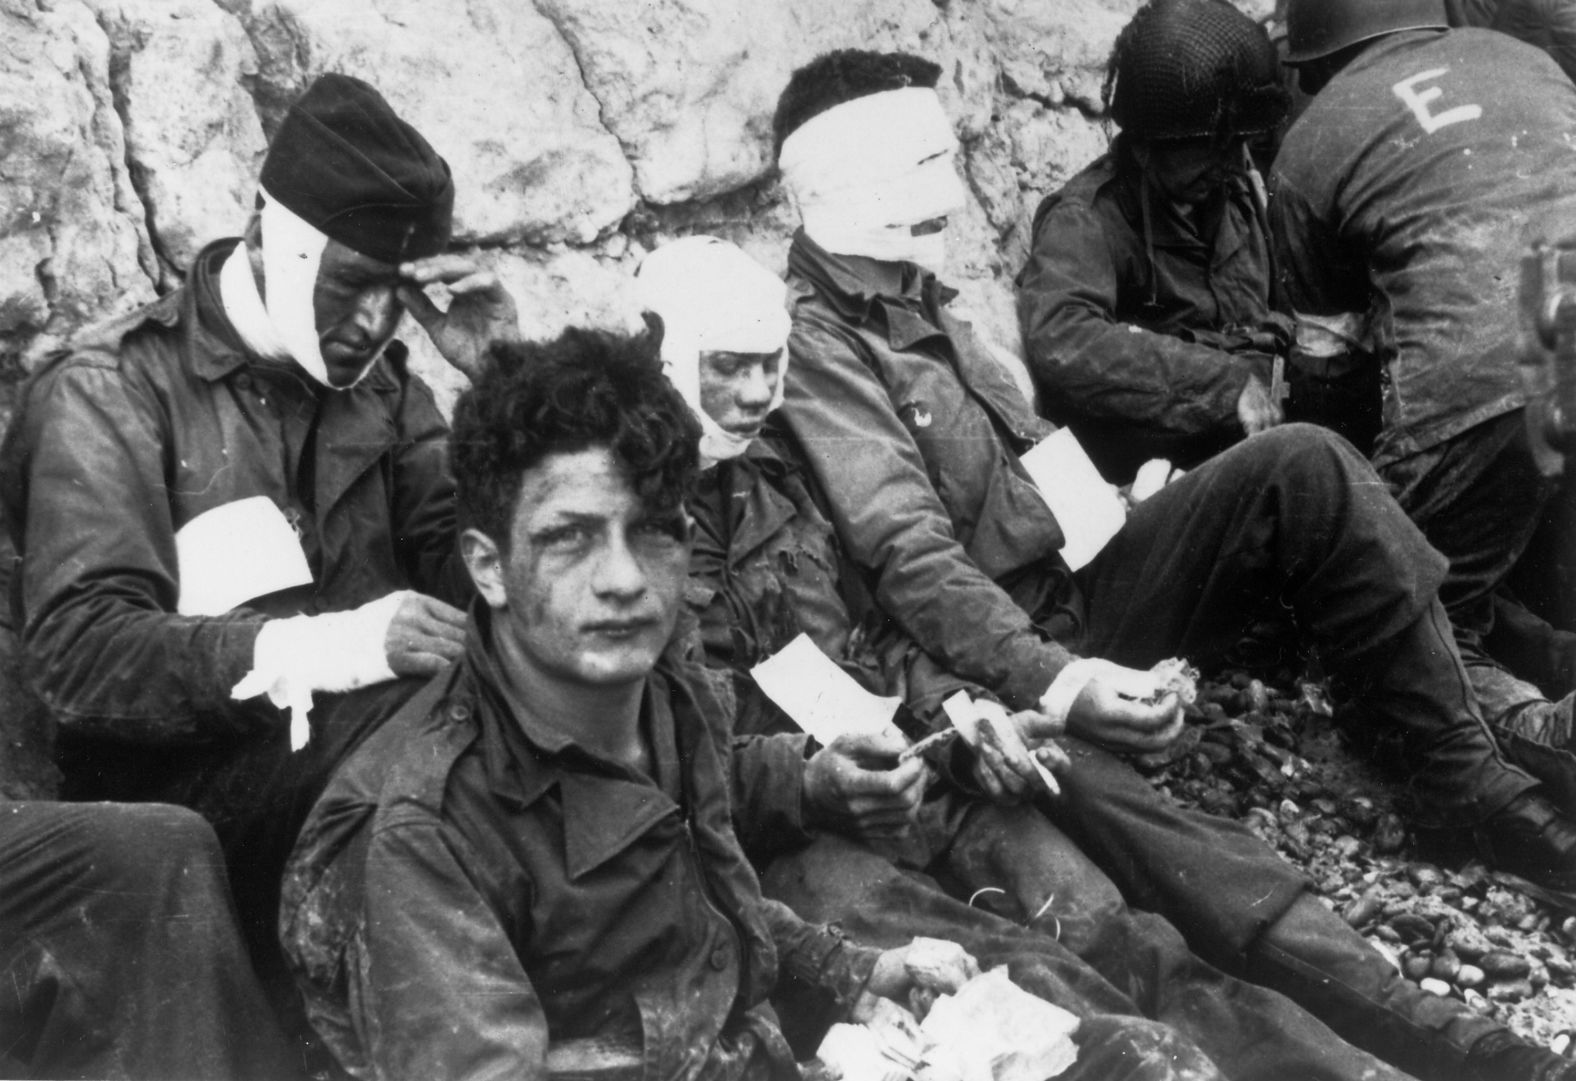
[
  {"x": 1100, "y": 715},
  {"x": 480, "y": 310},
  {"x": 1256, "y": 410},
  {"x": 424, "y": 636},
  {"x": 925, "y": 968},
  {"x": 1005, "y": 755},
  {"x": 857, "y": 786}
]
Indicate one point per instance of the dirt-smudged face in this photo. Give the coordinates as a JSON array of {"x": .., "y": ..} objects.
[
  {"x": 736, "y": 389},
  {"x": 355, "y": 309},
  {"x": 590, "y": 588}
]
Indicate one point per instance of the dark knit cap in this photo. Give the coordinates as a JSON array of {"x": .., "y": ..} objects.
[{"x": 343, "y": 162}]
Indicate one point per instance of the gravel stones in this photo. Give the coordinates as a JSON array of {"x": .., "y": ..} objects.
[{"x": 1272, "y": 758}]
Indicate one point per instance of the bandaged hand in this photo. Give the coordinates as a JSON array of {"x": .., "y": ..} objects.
[
  {"x": 1125, "y": 709},
  {"x": 856, "y": 786},
  {"x": 915, "y": 974},
  {"x": 333, "y": 652}
]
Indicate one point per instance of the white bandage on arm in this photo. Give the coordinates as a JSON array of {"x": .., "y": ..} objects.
[
  {"x": 1331, "y": 335},
  {"x": 333, "y": 652},
  {"x": 1057, "y": 701}
]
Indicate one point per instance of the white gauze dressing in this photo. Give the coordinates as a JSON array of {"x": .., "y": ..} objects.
[
  {"x": 865, "y": 172},
  {"x": 713, "y": 298},
  {"x": 292, "y": 252}
]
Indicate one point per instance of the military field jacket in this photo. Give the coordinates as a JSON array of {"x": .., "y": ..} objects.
[
  {"x": 473, "y": 889},
  {"x": 913, "y": 431},
  {"x": 158, "y": 417},
  {"x": 1144, "y": 344},
  {"x": 1410, "y": 188}
]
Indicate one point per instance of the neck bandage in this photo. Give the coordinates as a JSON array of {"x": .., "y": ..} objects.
[
  {"x": 713, "y": 298},
  {"x": 244, "y": 307},
  {"x": 865, "y": 172}
]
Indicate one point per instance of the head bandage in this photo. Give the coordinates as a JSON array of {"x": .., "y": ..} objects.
[
  {"x": 865, "y": 172},
  {"x": 713, "y": 298},
  {"x": 292, "y": 252}
]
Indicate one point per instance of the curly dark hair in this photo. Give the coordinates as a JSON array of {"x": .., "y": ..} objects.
[
  {"x": 833, "y": 78},
  {"x": 583, "y": 389}
]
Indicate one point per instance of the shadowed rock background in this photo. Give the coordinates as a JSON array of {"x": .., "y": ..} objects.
[{"x": 581, "y": 134}]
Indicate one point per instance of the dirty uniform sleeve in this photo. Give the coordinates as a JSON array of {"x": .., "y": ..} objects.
[
  {"x": 424, "y": 516},
  {"x": 445, "y": 994},
  {"x": 1318, "y": 275},
  {"x": 108, "y": 652},
  {"x": 820, "y": 956},
  {"x": 1086, "y": 359},
  {"x": 894, "y": 527},
  {"x": 768, "y": 793}
]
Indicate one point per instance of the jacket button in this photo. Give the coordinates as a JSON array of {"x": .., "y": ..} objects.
[
  {"x": 243, "y": 381},
  {"x": 720, "y": 957},
  {"x": 459, "y": 711}
]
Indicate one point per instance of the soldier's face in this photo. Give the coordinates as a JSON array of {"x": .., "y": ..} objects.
[
  {"x": 1190, "y": 171},
  {"x": 589, "y": 590},
  {"x": 736, "y": 389},
  {"x": 355, "y": 309}
]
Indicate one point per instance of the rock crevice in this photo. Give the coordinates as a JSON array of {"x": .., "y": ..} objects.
[{"x": 581, "y": 132}]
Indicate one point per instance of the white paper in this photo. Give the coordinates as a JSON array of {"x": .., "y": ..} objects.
[
  {"x": 821, "y": 698},
  {"x": 233, "y": 553},
  {"x": 1086, "y": 507},
  {"x": 993, "y": 1030},
  {"x": 858, "y": 1053}
]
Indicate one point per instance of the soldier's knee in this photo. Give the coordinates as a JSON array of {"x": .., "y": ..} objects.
[{"x": 1114, "y": 1048}]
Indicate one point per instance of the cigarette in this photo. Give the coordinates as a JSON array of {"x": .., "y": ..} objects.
[{"x": 933, "y": 742}]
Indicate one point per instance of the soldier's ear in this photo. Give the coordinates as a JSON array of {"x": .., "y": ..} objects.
[{"x": 484, "y": 562}]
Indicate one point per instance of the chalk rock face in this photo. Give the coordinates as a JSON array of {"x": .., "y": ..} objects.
[
  {"x": 678, "y": 85},
  {"x": 178, "y": 68},
  {"x": 1056, "y": 52},
  {"x": 72, "y": 244},
  {"x": 579, "y": 131},
  {"x": 491, "y": 83}
]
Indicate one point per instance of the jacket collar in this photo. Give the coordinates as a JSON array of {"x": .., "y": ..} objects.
[
  {"x": 757, "y": 478},
  {"x": 605, "y": 808},
  {"x": 901, "y": 300}
]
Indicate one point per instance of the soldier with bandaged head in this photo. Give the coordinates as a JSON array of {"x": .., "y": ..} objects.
[
  {"x": 950, "y": 499},
  {"x": 232, "y": 507}
]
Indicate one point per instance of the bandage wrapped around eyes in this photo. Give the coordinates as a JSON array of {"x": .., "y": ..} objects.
[
  {"x": 332, "y": 652},
  {"x": 865, "y": 172},
  {"x": 713, "y": 298}
]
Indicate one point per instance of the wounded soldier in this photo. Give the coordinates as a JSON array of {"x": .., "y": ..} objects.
[
  {"x": 237, "y": 498},
  {"x": 833, "y": 827},
  {"x": 530, "y": 870},
  {"x": 1146, "y": 302},
  {"x": 914, "y": 433}
]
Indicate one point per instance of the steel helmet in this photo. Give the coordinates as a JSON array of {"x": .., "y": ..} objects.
[
  {"x": 1188, "y": 68},
  {"x": 1317, "y": 28}
]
